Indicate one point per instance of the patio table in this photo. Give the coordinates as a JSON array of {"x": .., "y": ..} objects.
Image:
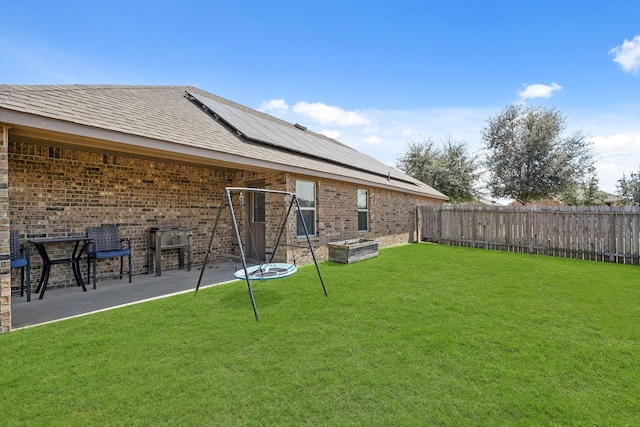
[{"x": 73, "y": 259}]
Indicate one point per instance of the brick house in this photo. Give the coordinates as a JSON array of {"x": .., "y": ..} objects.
[{"x": 76, "y": 156}]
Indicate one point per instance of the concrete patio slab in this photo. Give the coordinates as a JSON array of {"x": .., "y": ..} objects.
[{"x": 63, "y": 303}]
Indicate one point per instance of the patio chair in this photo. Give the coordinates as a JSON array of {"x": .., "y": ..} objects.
[
  {"x": 106, "y": 243},
  {"x": 20, "y": 259}
]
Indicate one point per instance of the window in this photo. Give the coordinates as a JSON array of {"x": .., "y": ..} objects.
[
  {"x": 363, "y": 210},
  {"x": 259, "y": 210},
  {"x": 306, "y": 194}
]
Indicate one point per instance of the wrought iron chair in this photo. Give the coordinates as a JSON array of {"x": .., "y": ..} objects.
[
  {"x": 106, "y": 243},
  {"x": 20, "y": 259}
]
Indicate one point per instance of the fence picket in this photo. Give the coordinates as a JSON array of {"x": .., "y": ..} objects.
[{"x": 601, "y": 233}]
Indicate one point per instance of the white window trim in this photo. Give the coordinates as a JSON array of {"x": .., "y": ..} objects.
[
  {"x": 366, "y": 210},
  {"x": 306, "y": 208}
]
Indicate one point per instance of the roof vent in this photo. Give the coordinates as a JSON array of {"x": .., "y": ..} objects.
[{"x": 299, "y": 126}]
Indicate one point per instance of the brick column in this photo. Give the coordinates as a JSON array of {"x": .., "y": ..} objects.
[{"x": 5, "y": 256}]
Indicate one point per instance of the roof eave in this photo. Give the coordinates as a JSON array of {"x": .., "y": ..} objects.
[{"x": 89, "y": 138}]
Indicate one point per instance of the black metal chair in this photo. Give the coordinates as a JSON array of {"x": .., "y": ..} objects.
[
  {"x": 20, "y": 259},
  {"x": 106, "y": 243}
]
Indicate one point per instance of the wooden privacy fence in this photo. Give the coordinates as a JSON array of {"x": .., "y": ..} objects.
[{"x": 601, "y": 233}]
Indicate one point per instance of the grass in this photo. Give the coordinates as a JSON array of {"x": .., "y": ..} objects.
[{"x": 421, "y": 335}]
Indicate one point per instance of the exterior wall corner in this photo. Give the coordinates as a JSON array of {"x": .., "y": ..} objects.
[{"x": 5, "y": 256}]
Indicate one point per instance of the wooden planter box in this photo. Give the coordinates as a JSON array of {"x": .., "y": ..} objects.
[{"x": 348, "y": 251}]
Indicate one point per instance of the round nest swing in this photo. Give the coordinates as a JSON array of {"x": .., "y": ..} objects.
[{"x": 267, "y": 271}]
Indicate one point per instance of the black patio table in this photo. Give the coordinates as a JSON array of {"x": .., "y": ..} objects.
[{"x": 73, "y": 259}]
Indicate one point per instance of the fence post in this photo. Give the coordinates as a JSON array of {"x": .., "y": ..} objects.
[
  {"x": 418, "y": 222},
  {"x": 474, "y": 225},
  {"x": 529, "y": 231},
  {"x": 604, "y": 233},
  {"x": 612, "y": 237},
  {"x": 439, "y": 229}
]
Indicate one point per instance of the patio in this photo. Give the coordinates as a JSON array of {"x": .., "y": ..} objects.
[{"x": 62, "y": 303}]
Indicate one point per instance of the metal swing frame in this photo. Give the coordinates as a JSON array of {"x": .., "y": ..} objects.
[{"x": 227, "y": 200}]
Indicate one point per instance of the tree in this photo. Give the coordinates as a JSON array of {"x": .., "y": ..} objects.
[
  {"x": 591, "y": 194},
  {"x": 629, "y": 188},
  {"x": 586, "y": 193},
  {"x": 449, "y": 169},
  {"x": 528, "y": 159}
]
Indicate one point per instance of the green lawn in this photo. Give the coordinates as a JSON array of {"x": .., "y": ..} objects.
[{"x": 421, "y": 335}]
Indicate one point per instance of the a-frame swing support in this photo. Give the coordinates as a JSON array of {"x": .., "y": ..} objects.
[{"x": 227, "y": 200}]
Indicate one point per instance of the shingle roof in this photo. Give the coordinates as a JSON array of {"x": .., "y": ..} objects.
[{"x": 164, "y": 113}]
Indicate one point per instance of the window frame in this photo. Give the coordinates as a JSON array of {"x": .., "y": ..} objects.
[
  {"x": 364, "y": 210},
  {"x": 256, "y": 203},
  {"x": 313, "y": 209}
]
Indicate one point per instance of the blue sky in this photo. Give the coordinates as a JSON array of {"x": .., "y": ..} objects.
[{"x": 374, "y": 75}]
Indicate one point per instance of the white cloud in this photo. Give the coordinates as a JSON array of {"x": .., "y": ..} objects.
[
  {"x": 327, "y": 114},
  {"x": 384, "y": 135},
  {"x": 539, "y": 91},
  {"x": 625, "y": 144},
  {"x": 618, "y": 154},
  {"x": 628, "y": 55},
  {"x": 390, "y": 131},
  {"x": 614, "y": 132},
  {"x": 373, "y": 140},
  {"x": 276, "y": 106},
  {"x": 335, "y": 134}
]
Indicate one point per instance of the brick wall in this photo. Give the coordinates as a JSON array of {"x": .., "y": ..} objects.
[
  {"x": 60, "y": 192},
  {"x": 55, "y": 191},
  {"x": 391, "y": 216},
  {"x": 5, "y": 257}
]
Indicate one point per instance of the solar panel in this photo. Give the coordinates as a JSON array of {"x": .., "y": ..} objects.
[{"x": 292, "y": 138}]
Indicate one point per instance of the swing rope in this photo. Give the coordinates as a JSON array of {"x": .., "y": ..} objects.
[
  {"x": 264, "y": 270},
  {"x": 245, "y": 220}
]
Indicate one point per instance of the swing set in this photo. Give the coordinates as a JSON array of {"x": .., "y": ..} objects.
[{"x": 267, "y": 269}]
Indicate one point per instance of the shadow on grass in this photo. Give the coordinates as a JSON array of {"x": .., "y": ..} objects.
[{"x": 265, "y": 293}]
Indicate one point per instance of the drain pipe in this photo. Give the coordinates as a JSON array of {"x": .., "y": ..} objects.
[{"x": 5, "y": 135}]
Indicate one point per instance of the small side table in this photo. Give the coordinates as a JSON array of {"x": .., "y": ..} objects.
[
  {"x": 73, "y": 259},
  {"x": 163, "y": 238}
]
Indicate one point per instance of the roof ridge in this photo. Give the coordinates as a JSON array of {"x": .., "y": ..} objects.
[{"x": 63, "y": 87}]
